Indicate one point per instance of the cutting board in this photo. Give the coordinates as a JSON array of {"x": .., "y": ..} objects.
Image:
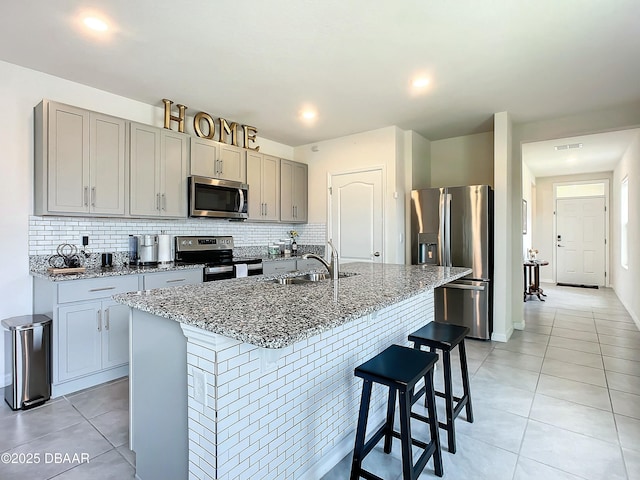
[{"x": 67, "y": 270}]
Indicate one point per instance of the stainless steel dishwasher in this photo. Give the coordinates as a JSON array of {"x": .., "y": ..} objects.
[{"x": 27, "y": 347}]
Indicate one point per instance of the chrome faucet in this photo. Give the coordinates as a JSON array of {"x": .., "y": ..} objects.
[{"x": 332, "y": 267}]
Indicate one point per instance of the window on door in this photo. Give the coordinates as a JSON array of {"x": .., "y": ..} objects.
[
  {"x": 624, "y": 223},
  {"x": 580, "y": 190}
]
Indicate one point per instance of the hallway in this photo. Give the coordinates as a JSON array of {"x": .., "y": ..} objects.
[{"x": 560, "y": 400}]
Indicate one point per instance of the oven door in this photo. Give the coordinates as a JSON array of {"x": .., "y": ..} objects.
[{"x": 211, "y": 197}]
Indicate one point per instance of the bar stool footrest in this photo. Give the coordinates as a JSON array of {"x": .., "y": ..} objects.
[
  {"x": 461, "y": 402},
  {"x": 373, "y": 441}
]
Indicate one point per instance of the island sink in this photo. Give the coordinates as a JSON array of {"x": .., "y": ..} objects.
[{"x": 308, "y": 278}]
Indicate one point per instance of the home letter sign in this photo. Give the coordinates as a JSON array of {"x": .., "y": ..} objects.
[{"x": 225, "y": 128}]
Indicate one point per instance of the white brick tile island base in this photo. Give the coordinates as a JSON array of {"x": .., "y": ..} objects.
[
  {"x": 295, "y": 418},
  {"x": 248, "y": 378}
]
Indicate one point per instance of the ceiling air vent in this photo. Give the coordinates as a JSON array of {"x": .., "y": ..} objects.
[{"x": 568, "y": 146}]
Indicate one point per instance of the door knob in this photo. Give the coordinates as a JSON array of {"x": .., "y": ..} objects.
[
  {"x": 376, "y": 254},
  {"x": 561, "y": 246}
]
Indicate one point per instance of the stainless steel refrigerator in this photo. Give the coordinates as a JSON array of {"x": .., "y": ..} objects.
[{"x": 453, "y": 226}]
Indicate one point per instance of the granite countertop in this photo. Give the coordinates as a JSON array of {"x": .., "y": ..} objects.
[
  {"x": 258, "y": 311},
  {"x": 116, "y": 270}
]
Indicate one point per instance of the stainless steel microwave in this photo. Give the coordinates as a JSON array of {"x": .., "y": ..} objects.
[{"x": 212, "y": 197}]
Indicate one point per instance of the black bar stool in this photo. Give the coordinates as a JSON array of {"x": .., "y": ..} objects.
[
  {"x": 399, "y": 368},
  {"x": 445, "y": 337}
]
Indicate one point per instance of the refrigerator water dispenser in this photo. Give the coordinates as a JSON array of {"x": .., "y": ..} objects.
[{"x": 428, "y": 248}]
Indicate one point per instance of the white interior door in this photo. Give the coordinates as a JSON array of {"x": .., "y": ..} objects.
[
  {"x": 356, "y": 209},
  {"x": 580, "y": 245}
]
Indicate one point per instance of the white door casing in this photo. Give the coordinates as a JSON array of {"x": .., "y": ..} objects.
[
  {"x": 356, "y": 215},
  {"x": 580, "y": 241}
]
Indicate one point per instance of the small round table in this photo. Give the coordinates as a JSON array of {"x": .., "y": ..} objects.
[{"x": 532, "y": 278}]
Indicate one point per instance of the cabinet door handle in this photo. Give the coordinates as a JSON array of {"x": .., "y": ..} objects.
[
  {"x": 93, "y": 196},
  {"x": 106, "y": 319},
  {"x": 157, "y": 201},
  {"x": 86, "y": 196},
  {"x": 164, "y": 202},
  {"x": 99, "y": 319},
  {"x": 176, "y": 280},
  {"x": 221, "y": 167},
  {"x": 101, "y": 289},
  {"x": 266, "y": 209}
]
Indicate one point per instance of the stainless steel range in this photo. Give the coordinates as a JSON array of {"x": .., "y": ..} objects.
[{"x": 217, "y": 254}]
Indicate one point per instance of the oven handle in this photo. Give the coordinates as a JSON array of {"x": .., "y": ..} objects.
[
  {"x": 223, "y": 269},
  {"x": 254, "y": 266}
]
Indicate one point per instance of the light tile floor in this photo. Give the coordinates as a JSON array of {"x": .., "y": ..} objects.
[
  {"x": 94, "y": 422},
  {"x": 560, "y": 400}
]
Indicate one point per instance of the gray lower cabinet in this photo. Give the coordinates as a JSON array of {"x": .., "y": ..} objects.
[
  {"x": 85, "y": 346},
  {"x": 171, "y": 279},
  {"x": 80, "y": 162},
  {"x": 289, "y": 265},
  {"x": 90, "y": 334},
  {"x": 278, "y": 267}
]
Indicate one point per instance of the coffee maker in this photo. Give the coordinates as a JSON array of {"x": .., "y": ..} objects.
[{"x": 147, "y": 249}]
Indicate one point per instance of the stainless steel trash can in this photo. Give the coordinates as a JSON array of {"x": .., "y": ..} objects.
[{"x": 27, "y": 347}]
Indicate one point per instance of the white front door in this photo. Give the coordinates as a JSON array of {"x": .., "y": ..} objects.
[
  {"x": 356, "y": 209},
  {"x": 580, "y": 242}
]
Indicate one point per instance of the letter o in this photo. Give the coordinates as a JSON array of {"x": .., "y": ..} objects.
[{"x": 197, "y": 121}]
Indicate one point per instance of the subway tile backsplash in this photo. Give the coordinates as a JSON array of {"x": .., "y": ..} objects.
[{"x": 112, "y": 234}]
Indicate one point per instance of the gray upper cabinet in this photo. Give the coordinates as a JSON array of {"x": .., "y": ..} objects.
[
  {"x": 173, "y": 173},
  {"x": 218, "y": 160},
  {"x": 263, "y": 177},
  {"x": 107, "y": 165},
  {"x": 293, "y": 191},
  {"x": 159, "y": 166},
  {"x": 80, "y": 161}
]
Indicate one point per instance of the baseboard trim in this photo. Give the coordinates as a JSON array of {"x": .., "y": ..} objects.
[
  {"x": 502, "y": 337},
  {"x": 630, "y": 311},
  {"x": 72, "y": 386}
]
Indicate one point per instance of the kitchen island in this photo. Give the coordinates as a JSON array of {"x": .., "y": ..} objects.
[{"x": 249, "y": 378}]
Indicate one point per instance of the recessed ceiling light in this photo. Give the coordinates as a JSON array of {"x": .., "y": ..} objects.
[
  {"x": 309, "y": 114},
  {"x": 420, "y": 82},
  {"x": 96, "y": 24}
]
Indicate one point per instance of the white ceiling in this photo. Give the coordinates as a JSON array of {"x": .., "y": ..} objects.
[
  {"x": 600, "y": 152},
  {"x": 260, "y": 62}
]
